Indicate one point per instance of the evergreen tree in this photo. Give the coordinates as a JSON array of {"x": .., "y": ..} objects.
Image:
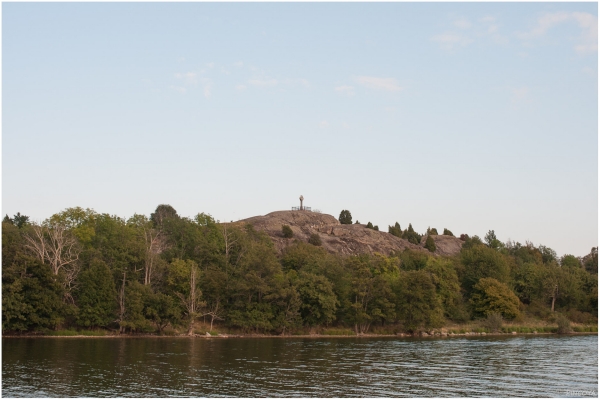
[
  {"x": 430, "y": 244},
  {"x": 96, "y": 296},
  {"x": 447, "y": 232},
  {"x": 287, "y": 231},
  {"x": 369, "y": 225},
  {"x": 395, "y": 230},
  {"x": 345, "y": 217},
  {"x": 315, "y": 239}
]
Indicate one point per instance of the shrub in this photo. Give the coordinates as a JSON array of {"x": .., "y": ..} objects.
[
  {"x": 564, "y": 325},
  {"x": 395, "y": 230},
  {"x": 493, "y": 322},
  {"x": 447, "y": 232},
  {"x": 345, "y": 217},
  {"x": 369, "y": 225},
  {"x": 430, "y": 244},
  {"x": 287, "y": 231},
  {"x": 315, "y": 239},
  {"x": 376, "y": 227}
]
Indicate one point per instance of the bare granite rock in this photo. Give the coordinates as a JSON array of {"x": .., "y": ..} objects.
[
  {"x": 336, "y": 238},
  {"x": 445, "y": 245}
]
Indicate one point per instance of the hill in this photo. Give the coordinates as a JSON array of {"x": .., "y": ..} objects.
[{"x": 341, "y": 239}]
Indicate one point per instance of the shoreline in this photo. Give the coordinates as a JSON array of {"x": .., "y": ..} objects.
[{"x": 314, "y": 336}]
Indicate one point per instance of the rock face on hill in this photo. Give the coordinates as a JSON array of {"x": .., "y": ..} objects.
[
  {"x": 445, "y": 245},
  {"x": 337, "y": 238}
]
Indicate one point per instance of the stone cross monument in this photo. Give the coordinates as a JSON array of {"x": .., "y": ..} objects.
[{"x": 301, "y": 199}]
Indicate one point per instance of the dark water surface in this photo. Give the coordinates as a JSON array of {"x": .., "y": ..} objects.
[{"x": 540, "y": 366}]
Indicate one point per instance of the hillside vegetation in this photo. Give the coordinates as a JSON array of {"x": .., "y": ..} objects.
[{"x": 286, "y": 272}]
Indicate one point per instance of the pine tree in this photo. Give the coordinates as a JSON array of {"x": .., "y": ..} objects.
[
  {"x": 430, "y": 244},
  {"x": 345, "y": 217}
]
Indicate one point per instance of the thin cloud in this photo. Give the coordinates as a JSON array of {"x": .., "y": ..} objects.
[
  {"x": 179, "y": 89},
  {"x": 190, "y": 78},
  {"x": 449, "y": 40},
  {"x": 241, "y": 87},
  {"x": 323, "y": 124},
  {"x": 345, "y": 89},
  {"x": 462, "y": 23},
  {"x": 238, "y": 64},
  {"x": 371, "y": 82},
  {"x": 263, "y": 82},
  {"x": 588, "y": 24}
]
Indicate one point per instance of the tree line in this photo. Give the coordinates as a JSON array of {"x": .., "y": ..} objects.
[{"x": 81, "y": 269}]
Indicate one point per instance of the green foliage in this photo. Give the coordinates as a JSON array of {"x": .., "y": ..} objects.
[
  {"x": 418, "y": 305},
  {"x": 492, "y": 241},
  {"x": 369, "y": 225},
  {"x": 570, "y": 261},
  {"x": 410, "y": 235},
  {"x": 345, "y": 217},
  {"x": 395, "y": 230},
  {"x": 590, "y": 261},
  {"x": 163, "y": 213},
  {"x": 315, "y": 239},
  {"x": 318, "y": 300},
  {"x": 482, "y": 262},
  {"x": 287, "y": 231},
  {"x": 491, "y": 296},
  {"x": 430, "y": 244},
  {"x": 412, "y": 260},
  {"x": 18, "y": 220},
  {"x": 31, "y": 296},
  {"x": 96, "y": 296},
  {"x": 432, "y": 231},
  {"x": 447, "y": 232},
  {"x": 139, "y": 273},
  {"x": 376, "y": 228}
]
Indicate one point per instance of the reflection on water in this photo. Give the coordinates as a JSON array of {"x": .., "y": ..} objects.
[{"x": 544, "y": 366}]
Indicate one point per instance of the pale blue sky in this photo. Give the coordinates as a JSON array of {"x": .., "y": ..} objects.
[{"x": 465, "y": 116}]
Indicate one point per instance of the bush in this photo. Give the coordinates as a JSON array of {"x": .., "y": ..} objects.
[
  {"x": 369, "y": 225},
  {"x": 287, "y": 231},
  {"x": 564, "y": 325},
  {"x": 493, "y": 322},
  {"x": 447, "y": 232},
  {"x": 430, "y": 244},
  {"x": 315, "y": 239},
  {"x": 345, "y": 217}
]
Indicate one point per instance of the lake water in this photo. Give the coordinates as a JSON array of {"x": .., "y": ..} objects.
[{"x": 515, "y": 366}]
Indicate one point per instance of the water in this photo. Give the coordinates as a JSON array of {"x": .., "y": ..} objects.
[{"x": 540, "y": 366}]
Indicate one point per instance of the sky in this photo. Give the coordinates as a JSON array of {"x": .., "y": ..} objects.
[{"x": 466, "y": 116}]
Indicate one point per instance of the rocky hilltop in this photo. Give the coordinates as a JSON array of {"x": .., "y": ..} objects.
[{"x": 338, "y": 238}]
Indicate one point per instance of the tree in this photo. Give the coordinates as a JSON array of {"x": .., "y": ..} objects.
[
  {"x": 376, "y": 228},
  {"x": 411, "y": 235},
  {"x": 287, "y": 231},
  {"x": 430, "y": 244},
  {"x": 19, "y": 220},
  {"x": 315, "y": 239},
  {"x": 490, "y": 296},
  {"x": 492, "y": 241},
  {"x": 161, "y": 214},
  {"x": 483, "y": 262},
  {"x": 418, "y": 304},
  {"x": 590, "y": 262},
  {"x": 184, "y": 281},
  {"x": 318, "y": 301},
  {"x": 369, "y": 225},
  {"x": 96, "y": 296},
  {"x": 345, "y": 217},
  {"x": 395, "y": 230},
  {"x": 56, "y": 246},
  {"x": 447, "y": 232},
  {"x": 432, "y": 231}
]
